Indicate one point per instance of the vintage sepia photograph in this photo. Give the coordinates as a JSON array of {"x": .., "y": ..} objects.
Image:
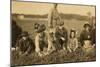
[{"x": 52, "y": 33}]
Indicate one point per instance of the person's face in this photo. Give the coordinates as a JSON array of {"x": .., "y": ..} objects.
[
  {"x": 60, "y": 26},
  {"x": 24, "y": 38},
  {"x": 72, "y": 34},
  {"x": 87, "y": 28}
]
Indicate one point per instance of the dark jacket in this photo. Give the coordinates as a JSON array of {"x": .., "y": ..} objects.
[
  {"x": 61, "y": 33},
  {"x": 16, "y": 31},
  {"x": 85, "y": 36},
  {"x": 25, "y": 45}
]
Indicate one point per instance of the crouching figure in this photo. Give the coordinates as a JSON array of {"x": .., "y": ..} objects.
[
  {"x": 24, "y": 45},
  {"x": 40, "y": 40},
  {"x": 86, "y": 39}
]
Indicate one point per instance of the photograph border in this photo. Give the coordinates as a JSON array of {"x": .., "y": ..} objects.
[{"x": 48, "y": 3}]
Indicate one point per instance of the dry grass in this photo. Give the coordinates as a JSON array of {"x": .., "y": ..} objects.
[
  {"x": 55, "y": 57},
  {"x": 60, "y": 56}
]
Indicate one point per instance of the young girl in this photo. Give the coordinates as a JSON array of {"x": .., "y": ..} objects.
[{"x": 73, "y": 42}]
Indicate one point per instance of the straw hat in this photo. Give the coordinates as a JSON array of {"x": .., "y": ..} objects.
[{"x": 86, "y": 25}]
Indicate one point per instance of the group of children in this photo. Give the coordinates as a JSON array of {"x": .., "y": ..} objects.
[{"x": 54, "y": 39}]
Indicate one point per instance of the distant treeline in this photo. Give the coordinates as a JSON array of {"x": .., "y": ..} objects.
[
  {"x": 74, "y": 16},
  {"x": 64, "y": 16}
]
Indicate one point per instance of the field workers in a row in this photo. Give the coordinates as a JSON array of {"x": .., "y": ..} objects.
[
  {"x": 52, "y": 33},
  {"x": 60, "y": 56}
]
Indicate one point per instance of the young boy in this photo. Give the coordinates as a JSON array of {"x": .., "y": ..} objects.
[{"x": 24, "y": 45}]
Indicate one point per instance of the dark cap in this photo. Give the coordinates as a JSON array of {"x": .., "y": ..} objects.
[{"x": 41, "y": 28}]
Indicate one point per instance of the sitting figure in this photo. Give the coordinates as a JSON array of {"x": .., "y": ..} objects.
[
  {"x": 40, "y": 40},
  {"x": 86, "y": 38},
  {"x": 61, "y": 36},
  {"x": 73, "y": 42},
  {"x": 24, "y": 45}
]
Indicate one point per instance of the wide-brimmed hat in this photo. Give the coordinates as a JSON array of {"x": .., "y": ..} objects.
[
  {"x": 25, "y": 33},
  {"x": 86, "y": 25}
]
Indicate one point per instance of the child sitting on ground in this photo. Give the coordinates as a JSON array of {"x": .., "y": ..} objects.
[{"x": 73, "y": 42}]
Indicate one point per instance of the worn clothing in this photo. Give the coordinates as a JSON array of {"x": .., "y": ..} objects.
[
  {"x": 88, "y": 47},
  {"x": 85, "y": 36},
  {"x": 72, "y": 44},
  {"x": 40, "y": 42},
  {"x": 61, "y": 36},
  {"x": 86, "y": 40},
  {"x": 25, "y": 45}
]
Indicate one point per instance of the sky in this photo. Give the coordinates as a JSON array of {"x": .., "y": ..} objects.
[{"x": 45, "y": 8}]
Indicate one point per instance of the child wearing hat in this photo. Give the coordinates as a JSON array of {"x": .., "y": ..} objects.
[
  {"x": 86, "y": 33},
  {"x": 86, "y": 38}
]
